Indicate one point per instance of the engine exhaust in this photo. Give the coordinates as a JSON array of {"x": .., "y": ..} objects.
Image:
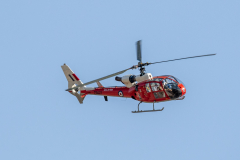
[{"x": 118, "y": 79}]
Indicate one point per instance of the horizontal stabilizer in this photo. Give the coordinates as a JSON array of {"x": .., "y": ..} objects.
[{"x": 99, "y": 85}]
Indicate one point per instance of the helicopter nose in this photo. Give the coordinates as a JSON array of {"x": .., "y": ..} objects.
[{"x": 183, "y": 88}]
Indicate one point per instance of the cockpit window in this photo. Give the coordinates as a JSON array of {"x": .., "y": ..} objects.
[
  {"x": 156, "y": 87},
  {"x": 159, "y": 94},
  {"x": 148, "y": 89},
  {"x": 173, "y": 78},
  {"x": 179, "y": 81},
  {"x": 171, "y": 88},
  {"x": 176, "y": 79},
  {"x": 157, "y": 79},
  {"x": 170, "y": 81}
]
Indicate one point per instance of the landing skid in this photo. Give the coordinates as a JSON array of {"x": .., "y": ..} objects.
[{"x": 154, "y": 110}]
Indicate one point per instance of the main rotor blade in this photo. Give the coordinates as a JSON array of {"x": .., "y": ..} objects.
[
  {"x": 184, "y": 58},
  {"x": 100, "y": 79},
  {"x": 139, "y": 52}
]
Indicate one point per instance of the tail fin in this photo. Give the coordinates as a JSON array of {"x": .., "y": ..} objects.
[
  {"x": 73, "y": 80},
  {"x": 71, "y": 77}
]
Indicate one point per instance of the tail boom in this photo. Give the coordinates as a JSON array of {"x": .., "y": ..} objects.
[{"x": 111, "y": 91}]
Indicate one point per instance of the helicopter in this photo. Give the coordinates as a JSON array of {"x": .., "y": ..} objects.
[{"x": 143, "y": 87}]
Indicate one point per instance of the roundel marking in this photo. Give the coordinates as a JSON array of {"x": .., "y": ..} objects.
[{"x": 120, "y": 93}]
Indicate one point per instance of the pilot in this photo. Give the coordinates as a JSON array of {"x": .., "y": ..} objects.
[
  {"x": 169, "y": 87},
  {"x": 155, "y": 86},
  {"x": 159, "y": 88}
]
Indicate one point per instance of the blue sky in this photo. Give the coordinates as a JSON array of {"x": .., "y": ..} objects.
[{"x": 40, "y": 120}]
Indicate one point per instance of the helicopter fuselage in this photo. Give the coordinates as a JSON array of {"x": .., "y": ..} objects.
[{"x": 159, "y": 89}]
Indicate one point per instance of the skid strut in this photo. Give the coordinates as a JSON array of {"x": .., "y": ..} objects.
[{"x": 154, "y": 110}]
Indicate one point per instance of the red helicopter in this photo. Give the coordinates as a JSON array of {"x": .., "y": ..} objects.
[{"x": 143, "y": 87}]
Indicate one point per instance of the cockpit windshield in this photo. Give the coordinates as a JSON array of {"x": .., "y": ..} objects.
[
  {"x": 170, "y": 85},
  {"x": 176, "y": 79}
]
